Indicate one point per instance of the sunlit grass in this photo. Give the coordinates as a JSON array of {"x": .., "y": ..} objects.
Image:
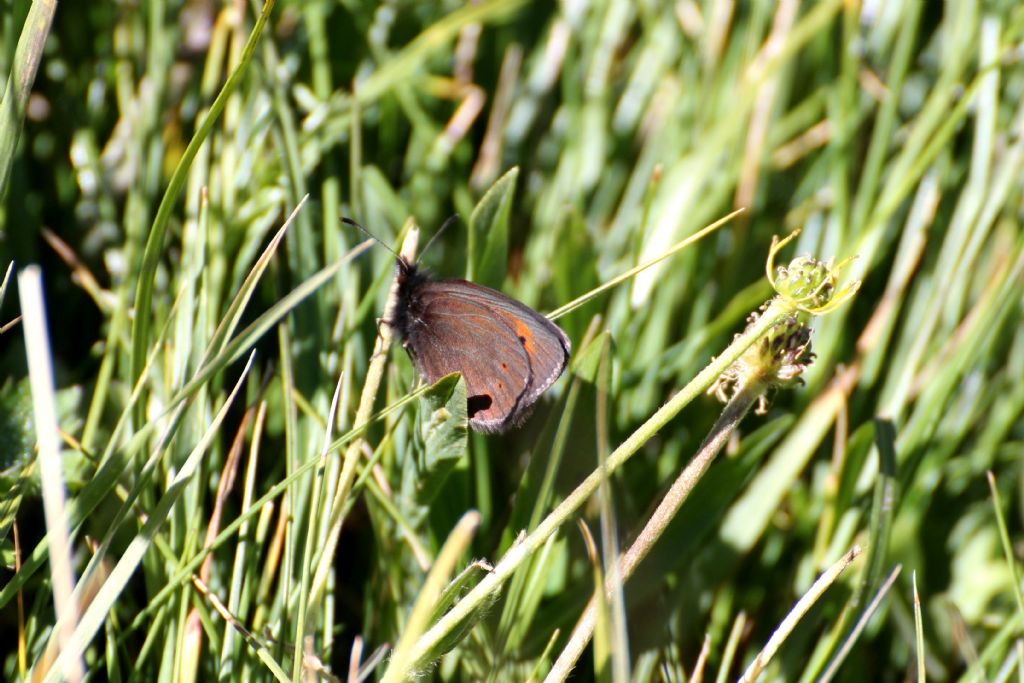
[{"x": 180, "y": 173}]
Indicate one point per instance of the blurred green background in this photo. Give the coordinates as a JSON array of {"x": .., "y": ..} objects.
[{"x": 574, "y": 140}]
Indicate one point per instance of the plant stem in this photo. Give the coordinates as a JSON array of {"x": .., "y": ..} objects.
[
  {"x": 666, "y": 511},
  {"x": 519, "y": 552},
  {"x": 374, "y": 375}
]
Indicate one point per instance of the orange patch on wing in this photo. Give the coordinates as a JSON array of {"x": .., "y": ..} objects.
[{"x": 525, "y": 335}]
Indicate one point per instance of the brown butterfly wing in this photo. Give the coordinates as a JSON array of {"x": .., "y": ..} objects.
[
  {"x": 507, "y": 352},
  {"x": 546, "y": 345},
  {"x": 461, "y": 336}
]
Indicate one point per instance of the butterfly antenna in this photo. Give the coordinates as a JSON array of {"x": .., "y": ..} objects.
[
  {"x": 349, "y": 221},
  {"x": 451, "y": 219}
]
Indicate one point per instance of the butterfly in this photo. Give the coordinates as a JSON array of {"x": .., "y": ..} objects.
[{"x": 508, "y": 353}]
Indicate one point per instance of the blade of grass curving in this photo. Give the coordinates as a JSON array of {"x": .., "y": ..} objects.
[
  {"x": 603, "y": 647},
  {"x": 311, "y": 531},
  {"x": 617, "y": 639},
  {"x": 618, "y": 279},
  {"x": 800, "y": 609},
  {"x": 14, "y": 102},
  {"x": 367, "y": 397},
  {"x": 51, "y": 467},
  {"x": 883, "y": 505},
  {"x": 739, "y": 627},
  {"x": 871, "y": 608},
  {"x": 114, "y": 462},
  {"x": 96, "y": 613},
  {"x": 232, "y": 350},
  {"x": 1004, "y": 537},
  {"x": 520, "y": 552},
  {"x": 403, "y": 661},
  {"x": 918, "y": 632},
  {"x": 186, "y": 570},
  {"x": 230, "y": 649},
  {"x": 155, "y": 240},
  {"x": 533, "y": 498}
]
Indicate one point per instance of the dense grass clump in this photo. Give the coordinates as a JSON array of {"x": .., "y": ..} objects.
[{"x": 786, "y": 448}]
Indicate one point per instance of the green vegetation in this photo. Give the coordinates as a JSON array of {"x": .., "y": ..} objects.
[{"x": 255, "y": 490}]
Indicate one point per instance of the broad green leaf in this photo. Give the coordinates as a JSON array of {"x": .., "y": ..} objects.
[
  {"x": 444, "y": 421},
  {"x": 488, "y": 232}
]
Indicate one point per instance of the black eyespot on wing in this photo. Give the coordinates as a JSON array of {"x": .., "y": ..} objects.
[
  {"x": 522, "y": 340},
  {"x": 477, "y": 403}
]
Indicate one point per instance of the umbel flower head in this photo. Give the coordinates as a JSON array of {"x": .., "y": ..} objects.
[
  {"x": 776, "y": 360},
  {"x": 780, "y": 356},
  {"x": 807, "y": 284}
]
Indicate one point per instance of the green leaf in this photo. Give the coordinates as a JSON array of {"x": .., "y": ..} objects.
[
  {"x": 12, "y": 489},
  {"x": 443, "y": 427},
  {"x": 588, "y": 360},
  {"x": 15, "y": 97},
  {"x": 155, "y": 239},
  {"x": 461, "y": 584},
  {"x": 883, "y": 505},
  {"x": 488, "y": 232},
  {"x": 17, "y": 433}
]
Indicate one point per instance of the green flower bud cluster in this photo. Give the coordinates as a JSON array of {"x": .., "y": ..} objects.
[
  {"x": 807, "y": 284},
  {"x": 806, "y": 281}
]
